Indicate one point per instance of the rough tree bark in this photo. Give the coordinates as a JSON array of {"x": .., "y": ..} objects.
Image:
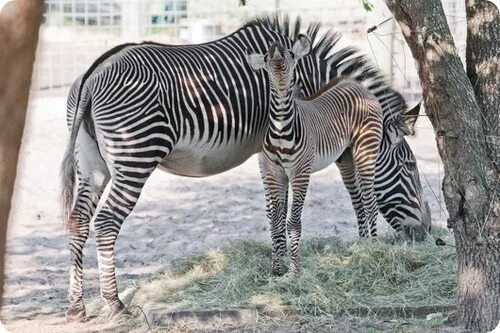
[
  {"x": 483, "y": 67},
  {"x": 19, "y": 24},
  {"x": 463, "y": 108}
]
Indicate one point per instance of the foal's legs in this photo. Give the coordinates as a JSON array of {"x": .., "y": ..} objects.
[
  {"x": 276, "y": 190},
  {"x": 350, "y": 178},
  {"x": 365, "y": 151},
  {"x": 299, "y": 186}
]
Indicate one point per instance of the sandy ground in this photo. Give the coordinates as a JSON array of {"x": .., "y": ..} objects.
[{"x": 174, "y": 216}]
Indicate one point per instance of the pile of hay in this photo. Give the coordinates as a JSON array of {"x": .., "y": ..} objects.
[{"x": 335, "y": 277}]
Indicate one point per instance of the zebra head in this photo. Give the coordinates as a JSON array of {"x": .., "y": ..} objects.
[
  {"x": 407, "y": 205},
  {"x": 280, "y": 63}
]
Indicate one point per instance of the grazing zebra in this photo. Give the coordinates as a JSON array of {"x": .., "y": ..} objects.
[
  {"x": 307, "y": 135},
  {"x": 192, "y": 110}
]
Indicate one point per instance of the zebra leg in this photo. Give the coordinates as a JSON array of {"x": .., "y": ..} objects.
[
  {"x": 92, "y": 175},
  {"x": 369, "y": 227},
  {"x": 299, "y": 186},
  {"x": 365, "y": 152},
  {"x": 129, "y": 174},
  {"x": 351, "y": 181},
  {"x": 276, "y": 190},
  {"x": 123, "y": 195}
]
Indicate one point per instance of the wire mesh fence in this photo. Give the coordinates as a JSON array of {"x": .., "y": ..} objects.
[{"x": 76, "y": 32}]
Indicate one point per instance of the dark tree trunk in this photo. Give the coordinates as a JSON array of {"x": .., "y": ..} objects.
[
  {"x": 19, "y": 24},
  {"x": 464, "y": 116},
  {"x": 483, "y": 67}
]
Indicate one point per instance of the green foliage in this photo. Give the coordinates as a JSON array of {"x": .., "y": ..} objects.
[
  {"x": 335, "y": 277},
  {"x": 367, "y": 5}
]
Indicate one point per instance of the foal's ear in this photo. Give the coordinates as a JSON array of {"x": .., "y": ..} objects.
[
  {"x": 255, "y": 60},
  {"x": 301, "y": 47}
]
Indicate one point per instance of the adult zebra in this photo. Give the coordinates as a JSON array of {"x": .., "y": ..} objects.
[{"x": 195, "y": 110}]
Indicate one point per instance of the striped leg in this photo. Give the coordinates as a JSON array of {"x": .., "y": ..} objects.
[
  {"x": 123, "y": 195},
  {"x": 365, "y": 150},
  {"x": 276, "y": 190},
  {"x": 351, "y": 181},
  {"x": 294, "y": 228},
  {"x": 134, "y": 136},
  {"x": 92, "y": 175},
  {"x": 369, "y": 225}
]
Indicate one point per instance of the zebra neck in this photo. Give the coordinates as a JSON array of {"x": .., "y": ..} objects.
[{"x": 282, "y": 116}]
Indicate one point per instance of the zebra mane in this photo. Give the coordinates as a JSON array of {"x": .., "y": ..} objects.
[
  {"x": 283, "y": 25},
  {"x": 348, "y": 61}
]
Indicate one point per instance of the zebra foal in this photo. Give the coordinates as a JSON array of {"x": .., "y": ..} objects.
[{"x": 307, "y": 135}]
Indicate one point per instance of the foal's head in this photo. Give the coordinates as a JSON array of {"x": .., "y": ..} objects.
[{"x": 280, "y": 63}]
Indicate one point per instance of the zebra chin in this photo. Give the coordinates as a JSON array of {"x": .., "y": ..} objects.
[{"x": 417, "y": 229}]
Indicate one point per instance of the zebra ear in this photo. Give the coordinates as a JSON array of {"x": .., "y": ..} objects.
[
  {"x": 302, "y": 46},
  {"x": 255, "y": 60},
  {"x": 410, "y": 118}
]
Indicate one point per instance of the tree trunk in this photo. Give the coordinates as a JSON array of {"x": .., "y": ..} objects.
[
  {"x": 463, "y": 116},
  {"x": 19, "y": 24},
  {"x": 483, "y": 67}
]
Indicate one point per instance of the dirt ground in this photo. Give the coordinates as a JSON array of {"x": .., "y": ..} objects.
[{"x": 174, "y": 216}]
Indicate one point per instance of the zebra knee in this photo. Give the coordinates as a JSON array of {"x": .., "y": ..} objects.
[
  {"x": 73, "y": 227},
  {"x": 106, "y": 231},
  {"x": 294, "y": 229},
  {"x": 77, "y": 228}
]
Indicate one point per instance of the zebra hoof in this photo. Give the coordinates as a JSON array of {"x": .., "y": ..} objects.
[
  {"x": 400, "y": 237},
  {"x": 76, "y": 313},
  {"x": 118, "y": 312},
  {"x": 294, "y": 271},
  {"x": 277, "y": 270},
  {"x": 417, "y": 233}
]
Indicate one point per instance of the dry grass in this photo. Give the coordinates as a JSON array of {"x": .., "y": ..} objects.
[{"x": 335, "y": 277}]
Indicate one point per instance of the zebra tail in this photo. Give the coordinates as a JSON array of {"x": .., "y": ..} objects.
[
  {"x": 67, "y": 182},
  {"x": 68, "y": 165}
]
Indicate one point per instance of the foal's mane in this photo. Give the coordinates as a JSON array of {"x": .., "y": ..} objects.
[
  {"x": 347, "y": 62},
  {"x": 333, "y": 82}
]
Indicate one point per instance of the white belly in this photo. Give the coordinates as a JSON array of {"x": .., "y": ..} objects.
[
  {"x": 201, "y": 160},
  {"x": 322, "y": 162}
]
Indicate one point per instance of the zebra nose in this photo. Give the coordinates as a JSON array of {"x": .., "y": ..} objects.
[
  {"x": 276, "y": 47},
  {"x": 277, "y": 56},
  {"x": 280, "y": 54},
  {"x": 271, "y": 50},
  {"x": 281, "y": 49}
]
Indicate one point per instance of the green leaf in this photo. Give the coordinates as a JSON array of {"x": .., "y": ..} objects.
[{"x": 367, "y": 5}]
